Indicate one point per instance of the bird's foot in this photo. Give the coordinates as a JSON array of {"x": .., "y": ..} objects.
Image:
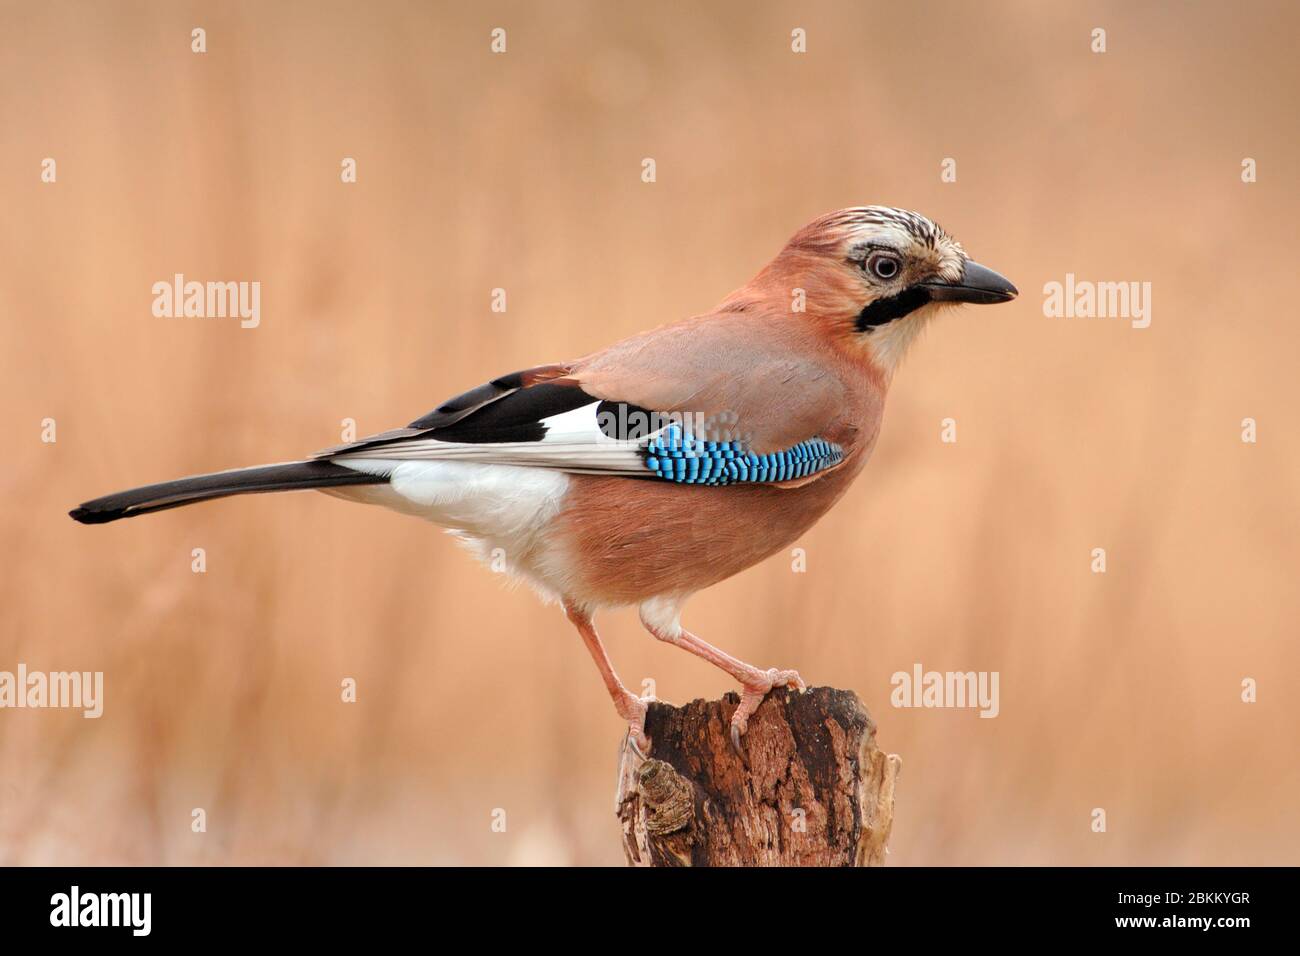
[
  {"x": 633, "y": 709},
  {"x": 752, "y": 695},
  {"x": 635, "y": 748}
]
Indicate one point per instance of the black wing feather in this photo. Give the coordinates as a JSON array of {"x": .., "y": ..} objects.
[{"x": 506, "y": 409}]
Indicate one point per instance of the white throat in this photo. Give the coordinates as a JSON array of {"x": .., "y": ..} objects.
[{"x": 890, "y": 342}]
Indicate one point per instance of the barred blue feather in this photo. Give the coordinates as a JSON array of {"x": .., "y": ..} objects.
[{"x": 676, "y": 455}]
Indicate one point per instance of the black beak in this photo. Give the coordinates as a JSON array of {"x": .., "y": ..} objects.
[{"x": 977, "y": 284}]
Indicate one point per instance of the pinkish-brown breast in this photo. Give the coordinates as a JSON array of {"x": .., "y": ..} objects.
[{"x": 630, "y": 540}]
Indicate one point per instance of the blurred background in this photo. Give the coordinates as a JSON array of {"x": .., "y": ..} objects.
[{"x": 522, "y": 171}]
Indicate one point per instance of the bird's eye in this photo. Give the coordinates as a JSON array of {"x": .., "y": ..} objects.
[{"x": 882, "y": 265}]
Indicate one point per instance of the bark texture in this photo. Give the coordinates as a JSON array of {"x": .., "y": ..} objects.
[{"x": 817, "y": 791}]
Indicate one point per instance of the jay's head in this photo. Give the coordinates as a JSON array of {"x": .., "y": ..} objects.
[{"x": 875, "y": 275}]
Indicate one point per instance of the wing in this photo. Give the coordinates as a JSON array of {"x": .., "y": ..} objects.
[
  {"x": 455, "y": 410},
  {"x": 758, "y": 378},
  {"x": 645, "y": 409}
]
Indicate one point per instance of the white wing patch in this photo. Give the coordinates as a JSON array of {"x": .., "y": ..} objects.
[{"x": 573, "y": 442}]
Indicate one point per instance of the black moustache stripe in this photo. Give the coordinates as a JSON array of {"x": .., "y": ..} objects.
[{"x": 895, "y": 307}]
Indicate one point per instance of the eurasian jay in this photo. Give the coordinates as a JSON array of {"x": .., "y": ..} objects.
[{"x": 671, "y": 460}]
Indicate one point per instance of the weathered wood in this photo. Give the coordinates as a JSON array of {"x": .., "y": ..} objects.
[{"x": 817, "y": 792}]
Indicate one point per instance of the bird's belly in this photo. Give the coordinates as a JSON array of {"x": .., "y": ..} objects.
[{"x": 625, "y": 541}]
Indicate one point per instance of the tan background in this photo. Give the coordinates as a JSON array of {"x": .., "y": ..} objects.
[{"x": 522, "y": 171}]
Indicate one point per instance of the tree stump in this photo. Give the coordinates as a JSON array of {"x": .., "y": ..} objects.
[{"x": 817, "y": 791}]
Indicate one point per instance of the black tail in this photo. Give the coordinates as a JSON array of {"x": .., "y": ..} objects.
[{"x": 242, "y": 481}]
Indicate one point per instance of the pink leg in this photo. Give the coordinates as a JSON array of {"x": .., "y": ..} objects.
[
  {"x": 754, "y": 682},
  {"x": 630, "y": 707}
]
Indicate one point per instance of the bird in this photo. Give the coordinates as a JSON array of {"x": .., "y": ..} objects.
[{"x": 669, "y": 461}]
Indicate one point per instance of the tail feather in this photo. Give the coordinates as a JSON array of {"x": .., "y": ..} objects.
[{"x": 241, "y": 481}]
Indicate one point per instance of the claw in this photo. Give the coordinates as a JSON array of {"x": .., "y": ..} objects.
[
  {"x": 735, "y": 745},
  {"x": 628, "y": 767},
  {"x": 636, "y": 748},
  {"x": 633, "y": 709},
  {"x": 752, "y": 695}
]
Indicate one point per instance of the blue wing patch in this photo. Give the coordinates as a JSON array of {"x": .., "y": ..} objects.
[{"x": 676, "y": 455}]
